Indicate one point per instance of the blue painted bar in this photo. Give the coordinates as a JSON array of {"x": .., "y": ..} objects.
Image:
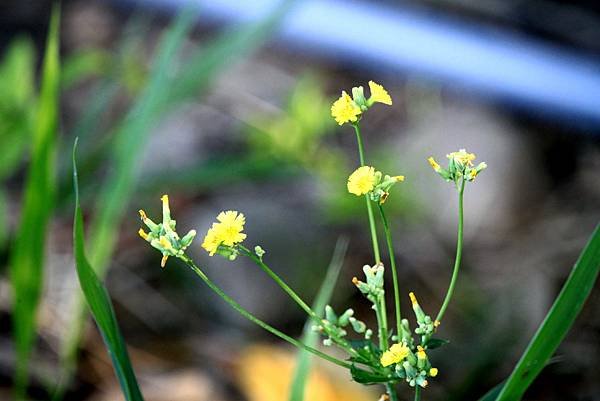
[{"x": 490, "y": 62}]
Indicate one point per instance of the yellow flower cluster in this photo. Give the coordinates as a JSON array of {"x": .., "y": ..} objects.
[
  {"x": 347, "y": 109},
  {"x": 462, "y": 157},
  {"x": 362, "y": 181},
  {"x": 227, "y": 231},
  {"x": 395, "y": 354}
]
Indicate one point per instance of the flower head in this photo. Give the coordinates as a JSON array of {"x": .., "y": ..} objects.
[
  {"x": 462, "y": 157},
  {"x": 345, "y": 110},
  {"x": 362, "y": 181},
  {"x": 163, "y": 236},
  {"x": 460, "y": 167},
  {"x": 379, "y": 94},
  {"x": 395, "y": 354},
  {"x": 227, "y": 231}
]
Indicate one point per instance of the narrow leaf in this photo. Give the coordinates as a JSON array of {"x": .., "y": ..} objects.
[
  {"x": 100, "y": 305},
  {"x": 27, "y": 257},
  {"x": 557, "y": 323},
  {"x": 309, "y": 337}
]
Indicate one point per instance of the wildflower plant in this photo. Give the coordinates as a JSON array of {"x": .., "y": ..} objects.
[{"x": 389, "y": 354}]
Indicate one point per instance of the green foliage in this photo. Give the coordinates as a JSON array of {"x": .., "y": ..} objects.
[
  {"x": 100, "y": 305},
  {"x": 165, "y": 88},
  {"x": 558, "y": 321},
  {"x": 27, "y": 258},
  {"x": 434, "y": 343},
  {"x": 309, "y": 336}
]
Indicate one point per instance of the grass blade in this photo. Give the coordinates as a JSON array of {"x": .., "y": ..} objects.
[
  {"x": 100, "y": 305},
  {"x": 27, "y": 257},
  {"x": 309, "y": 337},
  {"x": 117, "y": 189},
  {"x": 160, "y": 95},
  {"x": 558, "y": 321}
]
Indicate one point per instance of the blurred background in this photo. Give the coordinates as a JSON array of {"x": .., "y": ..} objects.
[{"x": 228, "y": 106}]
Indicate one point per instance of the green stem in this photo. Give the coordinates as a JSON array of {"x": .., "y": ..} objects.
[
  {"x": 256, "y": 320},
  {"x": 361, "y": 155},
  {"x": 384, "y": 325},
  {"x": 391, "y": 390},
  {"x": 417, "y": 393},
  {"x": 280, "y": 283},
  {"x": 288, "y": 290},
  {"x": 390, "y": 245},
  {"x": 459, "y": 245}
]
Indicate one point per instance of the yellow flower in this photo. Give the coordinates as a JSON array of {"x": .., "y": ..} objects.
[
  {"x": 228, "y": 231},
  {"x": 395, "y": 354},
  {"x": 434, "y": 165},
  {"x": 433, "y": 372},
  {"x": 379, "y": 94},
  {"x": 345, "y": 110},
  {"x": 362, "y": 181},
  {"x": 230, "y": 228},
  {"x": 421, "y": 353},
  {"x": 211, "y": 241},
  {"x": 462, "y": 157}
]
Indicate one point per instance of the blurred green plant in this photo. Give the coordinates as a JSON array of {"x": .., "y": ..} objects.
[
  {"x": 170, "y": 82},
  {"x": 17, "y": 112},
  {"x": 309, "y": 336},
  {"x": 27, "y": 256}
]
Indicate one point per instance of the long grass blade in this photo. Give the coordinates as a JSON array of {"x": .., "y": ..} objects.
[
  {"x": 558, "y": 321},
  {"x": 309, "y": 337},
  {"x": 27, "y": 256},
  {"x": 162, "y": 93},
  {"x": 116, "y": 191},
  {"x": 100, "y": 305}
]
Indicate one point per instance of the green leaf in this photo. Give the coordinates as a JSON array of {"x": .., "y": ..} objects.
[
  {"x": 365, "y": 377},
  {"x": 100, "y": 305},
  {"x": 557, "y": 323},
  {"x": 309, "y": 337},
  {"x": 27, "y": 257},
  {"x": 434, "y": 343},
  {"x": 368, "y": 352}
]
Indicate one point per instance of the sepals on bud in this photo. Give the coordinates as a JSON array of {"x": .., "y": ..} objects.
[
  {"x": 460, "y": 167},
  {"x": 163, "y": 236}
]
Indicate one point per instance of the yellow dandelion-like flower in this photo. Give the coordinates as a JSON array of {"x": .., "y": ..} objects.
[
  {"x": 462, "y": 157},
  {"x": 362, "y": 181},
  {"x": 345, "y": 110},
  {"x": 228, "y": 231},
  {"x": 230, "y": 227},
  {"x": 379, "y": 94},
  {"x": 395, "y": 354},
  {"x": 433, "y": 372},
  {"x": 211, "y": 241}
]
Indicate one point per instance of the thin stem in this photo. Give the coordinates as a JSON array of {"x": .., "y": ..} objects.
[
  {"x": 281, "y": 283},
  {"x": 390, "y": 245},
  {"x": 361, "y": 155},
  {"x": 384, "y": 326},
  {"x": 391, "y": 390},
  {"x": 417, "y": 393},
  {"x": 459, "y": 245},
  {"x": 256, "y": 320},
  {"x": 288, "y": 290}
]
